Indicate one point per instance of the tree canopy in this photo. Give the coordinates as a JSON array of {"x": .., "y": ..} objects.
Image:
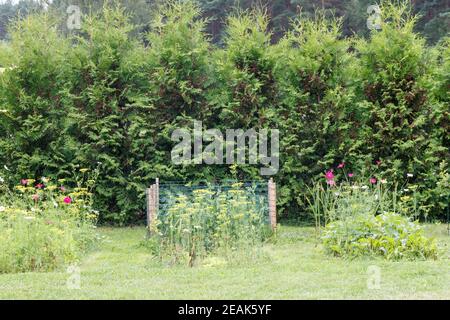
[{"x": 434, "y": 22}]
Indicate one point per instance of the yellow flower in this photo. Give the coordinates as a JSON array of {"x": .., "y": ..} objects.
[
  {"x": 405, "y": 198},
  {"x": 20, "y": 188}
]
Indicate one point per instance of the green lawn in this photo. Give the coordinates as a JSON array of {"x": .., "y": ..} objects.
[{"x": 293, "y": 268}]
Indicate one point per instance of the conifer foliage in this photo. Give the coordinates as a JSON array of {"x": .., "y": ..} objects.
[{"x": 104, "y": 98}]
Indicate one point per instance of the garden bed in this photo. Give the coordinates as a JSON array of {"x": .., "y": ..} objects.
[{"x": 293, "y": 268}]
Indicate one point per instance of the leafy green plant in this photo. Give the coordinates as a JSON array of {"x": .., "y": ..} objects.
[{"x": 388, "y": 235}]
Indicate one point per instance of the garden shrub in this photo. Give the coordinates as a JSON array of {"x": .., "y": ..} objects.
[
  {"x": 400, "y": 129},
  {"x": 102, "y": 80},
  {"x": 45, "y": 225},
  {"x": 178, "y": 67},
  {"x": 245, "y": 92},
  {"x": 439, "y": 194},
  {"x": 317, "y": 112},
  {"x": 388, "y": 235},
  {"x": 33, "y": 122}
]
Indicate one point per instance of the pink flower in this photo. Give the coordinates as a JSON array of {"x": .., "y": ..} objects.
[
  {"x": 331, "y": 182},
  {"x": 341, "y": 165},
  {"x": 24, "y": 182},
  {"x": 350, "y": 175},
  {"x": 62, "y": 189},
  {"x": 39, "y": 186},
  {"x": 373, "y": 180},
  {"x": 378, "y": 162},
  {"x": 329, "y": 175},
  {"x": 68, "y": 200},
  {"x": 35, "y": 197}
]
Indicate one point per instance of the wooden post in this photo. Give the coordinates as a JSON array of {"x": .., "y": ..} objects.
[
  {"x": 272, "y": 190},
  {"x": 147, "y": 202},
  {"x": 152, "y": 200},
  {"x": 156, "y": 197},
  {"x": 150, "y": 206}
]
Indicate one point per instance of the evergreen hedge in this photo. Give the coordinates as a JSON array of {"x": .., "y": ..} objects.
[{"x": 102, "y": 98}]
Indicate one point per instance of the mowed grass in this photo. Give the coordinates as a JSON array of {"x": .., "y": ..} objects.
[{"x": 292, "y": 268}]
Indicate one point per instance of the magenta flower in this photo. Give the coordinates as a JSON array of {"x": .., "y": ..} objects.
[
  {"x": 39, "y": 186},
  {"x": 341, "y": 165},
  {"x": 373, "y": 180},
  {"x": 68, "y": 200},
  {"x": 329, "y": 175},
  {"x": 24, "y": 182},
  {"x": 350, "y": 175}
]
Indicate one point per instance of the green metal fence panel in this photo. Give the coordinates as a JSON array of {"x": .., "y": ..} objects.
[{"x": 255, "y": 191}]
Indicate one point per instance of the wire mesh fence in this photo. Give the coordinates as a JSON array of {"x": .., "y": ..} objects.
[{"x": 260, "y": 197}]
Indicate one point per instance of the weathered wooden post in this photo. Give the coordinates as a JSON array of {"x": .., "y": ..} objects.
[
  {"x": 272, "y": 190},
  {"x": 150, "y": 207},
  {"x": 156, "y": 197},
  {"x": 147, "y": 206},
  {"x": 152, "y": 200}
]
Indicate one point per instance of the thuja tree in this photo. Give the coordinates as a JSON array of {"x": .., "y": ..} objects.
[
  {"x": 399, "y": 104},
  {"x": 101, "y": 89},
  {"x": 33, "y": 122},
  {"x": 439, "y": 85},
  {"x": 245, "y": 70},
  {"x": 317, "y": 115},
  {"x": 178, "y": 73},
  {"x": 246, "y": 91}
]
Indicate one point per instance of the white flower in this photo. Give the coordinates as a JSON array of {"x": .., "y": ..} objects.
[
  {"x": 383, "y": 181},
  {"x": 44, "y": 179},
  {"x": 364, "y": 187},
  {"x": 6, "y": 168},
  {"x": 2, "y": 208},
  {"x": 2, "y": 180},
  {"x": 409, "y": 175}
]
